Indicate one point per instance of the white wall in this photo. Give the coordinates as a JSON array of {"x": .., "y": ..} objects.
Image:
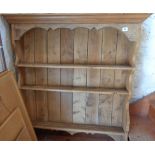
[
  {"x": 6, "y": 42},
  {"x": 144, "y": 78}
]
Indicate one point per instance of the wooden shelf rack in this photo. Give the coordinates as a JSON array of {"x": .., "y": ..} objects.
[{"x": 74, "y": 76}]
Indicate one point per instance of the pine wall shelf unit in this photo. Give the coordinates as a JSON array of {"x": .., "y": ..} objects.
[{"x": 75, "y": 70}]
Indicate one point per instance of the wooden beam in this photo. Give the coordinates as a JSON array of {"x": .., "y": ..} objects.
[{"x": 76, "y": 18}]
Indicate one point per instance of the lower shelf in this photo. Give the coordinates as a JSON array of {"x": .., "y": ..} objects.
[{"x": 79, "y": 128}]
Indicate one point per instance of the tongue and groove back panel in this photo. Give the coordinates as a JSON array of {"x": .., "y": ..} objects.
[{"x": 106, "y": 46}]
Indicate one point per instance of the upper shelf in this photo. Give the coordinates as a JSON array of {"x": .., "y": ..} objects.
[
  {"x": 86, "y": 66},
  {"x": 76, "y": 18}
]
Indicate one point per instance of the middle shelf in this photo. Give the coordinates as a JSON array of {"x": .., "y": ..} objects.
[
  {"x": 75, "y": 89},
  {"x": 86, "y": 66}
]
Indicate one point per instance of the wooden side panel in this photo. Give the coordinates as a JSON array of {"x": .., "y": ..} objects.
[
  {"x": 29, "y": 95},
  {"x": 109, "y": 45},
  {"x": 4, "y": 112},
  {"x": 93, "y": 75},
  {"x": 12, "y": 126},
  {"x": 11, "y": 99},
  {"x": 5, "y": 90},
  {"x": 67, "y": 56},
  {"x": 41, "y": 74},
  {"x": 23, "y": 135},
  {"x": 80, "y": 57},
  {"x": 54, "y": 74}
]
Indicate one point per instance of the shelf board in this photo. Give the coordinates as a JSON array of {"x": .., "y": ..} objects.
[
  {"x": 79, "y": 128},
  {"x": 75, "y": 89},
  {"x": 86, "y": 66}
]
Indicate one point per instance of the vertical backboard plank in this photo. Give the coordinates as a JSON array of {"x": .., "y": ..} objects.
[
  {"x": 41, "y": 74},
  {"x": 109, "y": 45},
  {"x": 93, "y": 75},
  {"x": 54, "y": 74},
  {"x": 29, "y": 96},
  {"x": 80, "y": 57},
  {"x": 67, "y": 57}
]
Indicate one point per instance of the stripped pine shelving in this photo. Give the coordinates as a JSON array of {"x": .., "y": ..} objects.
[
  {"x": 75, "y": 70},
  {"x": 76, "y": 80}
]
